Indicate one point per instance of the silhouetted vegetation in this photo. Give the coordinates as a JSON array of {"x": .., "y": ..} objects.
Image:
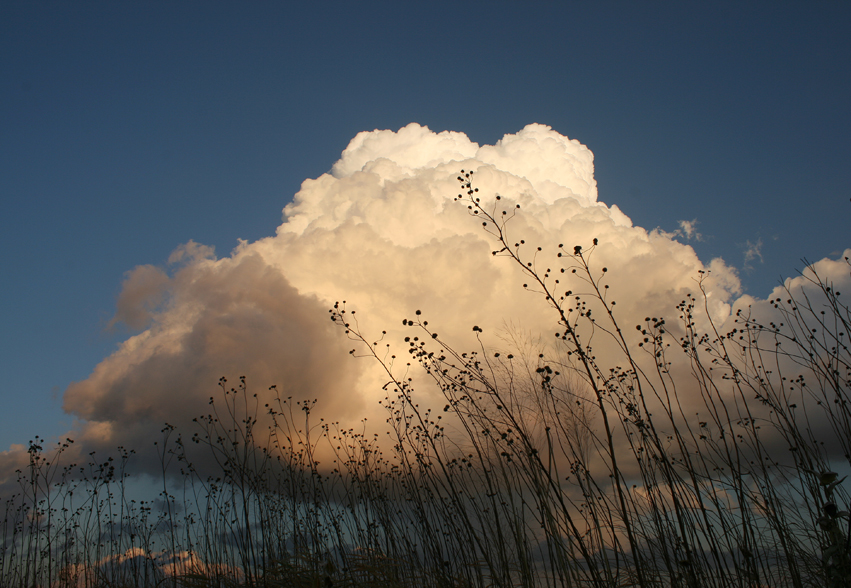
[{"x": 681, "y": 457}]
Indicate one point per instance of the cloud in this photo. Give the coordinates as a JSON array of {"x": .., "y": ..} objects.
[
  {"x": 752, "y": 251},
  {"x": 382, "y": 231},
  {"x": 689, "y": 230},
  {"x": 141, "y": 293},
  {"x": 233, "y": 316}
]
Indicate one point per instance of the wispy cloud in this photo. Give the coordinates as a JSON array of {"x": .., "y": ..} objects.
[
  {"x": 752, "y": 252},
  {"x": 687, "y": 230}
]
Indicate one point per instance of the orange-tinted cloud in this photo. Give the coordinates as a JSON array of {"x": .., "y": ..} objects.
[{"x": 382, "y": 231}]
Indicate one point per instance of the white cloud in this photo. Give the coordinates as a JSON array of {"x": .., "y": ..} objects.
[
  {"x": 689, "y": 230},
  {"x": 382, "y": 231}
]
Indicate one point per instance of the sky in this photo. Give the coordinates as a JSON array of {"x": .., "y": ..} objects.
[{"x": 128, "y": 131}]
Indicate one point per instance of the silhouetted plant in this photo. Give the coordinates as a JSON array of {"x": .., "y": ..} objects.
[{"x": 546, "y": 466}]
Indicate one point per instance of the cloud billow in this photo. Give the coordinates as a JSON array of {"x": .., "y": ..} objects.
[{"x": 382, "y": 231}]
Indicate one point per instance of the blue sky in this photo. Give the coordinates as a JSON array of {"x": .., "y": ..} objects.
[{"x": 127, "y": 129}]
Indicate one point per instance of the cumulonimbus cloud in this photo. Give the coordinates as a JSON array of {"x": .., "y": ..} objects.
[{"x": 381, "y": 230}]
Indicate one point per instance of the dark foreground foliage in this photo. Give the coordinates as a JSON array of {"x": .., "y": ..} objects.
[{"x": 685, "y": 458}]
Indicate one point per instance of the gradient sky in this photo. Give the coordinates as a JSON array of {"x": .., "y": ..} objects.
[{"x": 127, "y": 129}]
